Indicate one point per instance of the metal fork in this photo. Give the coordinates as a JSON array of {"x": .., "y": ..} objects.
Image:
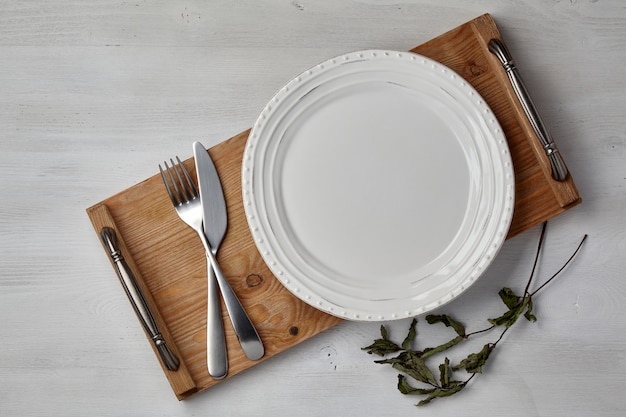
[{"x": 186, "y": 201}]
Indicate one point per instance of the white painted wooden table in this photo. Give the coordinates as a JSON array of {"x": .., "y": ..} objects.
[{"x": 93, "y": 94}]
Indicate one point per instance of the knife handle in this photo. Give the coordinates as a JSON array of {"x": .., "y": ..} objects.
[
  {"x": 557, "y": 165},
  {"x": 244, "y": 329},
  {"x": 217, "y": 356},
  {"x": 137, "y": 299}
]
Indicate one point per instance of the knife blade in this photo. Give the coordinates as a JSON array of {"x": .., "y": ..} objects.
[{"x": 215, "y": 218}]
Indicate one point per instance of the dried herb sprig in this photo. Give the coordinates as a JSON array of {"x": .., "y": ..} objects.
[{"x": 412, "y": 363}]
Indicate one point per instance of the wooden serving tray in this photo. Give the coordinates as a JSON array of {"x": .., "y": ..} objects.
[{"x": 168, "y": 258}]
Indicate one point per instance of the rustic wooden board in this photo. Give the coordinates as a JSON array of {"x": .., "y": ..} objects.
[{"x": 168, "y": 259}]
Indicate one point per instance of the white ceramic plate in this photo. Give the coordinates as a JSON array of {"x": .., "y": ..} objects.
[{"x": 377, "y": 185}]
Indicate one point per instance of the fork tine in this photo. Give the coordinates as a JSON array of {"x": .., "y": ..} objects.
[
  {"x": 181, "y": 195},
  {"x": 170, "y": 192},
  {"x": 192, "y": 186},
  {"x": 181, "y": 189},
  {"x": 184, "y": 191}
]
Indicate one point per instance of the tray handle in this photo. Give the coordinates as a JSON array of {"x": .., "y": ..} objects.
[{"x": 180, "y": 379}]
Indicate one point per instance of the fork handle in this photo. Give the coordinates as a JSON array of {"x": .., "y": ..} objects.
[{"x": 244, "y": 329}]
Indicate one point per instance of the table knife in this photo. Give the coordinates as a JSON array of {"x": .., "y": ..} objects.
[{"x": 215, "y": 223}]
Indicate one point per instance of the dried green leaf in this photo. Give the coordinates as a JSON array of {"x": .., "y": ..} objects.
[
  {"x": 383, "y": 332},
  {"x": 383, "y": 346},
  {"x": 410, "y": 337},
  {"x": 410, "y": 363},
  {"x": 403, "y": 357},
  {"x": 425, "y": 371},
  {"x": 417, "y": 369},
  {"x": 441, "y": 393},
  {"x": 507, "y": 319},
  {"x": 509, "y": 298},
  {"x": 438, "y": 349},
  {"x": 475, "y": 361},
  {"x": 458, "y": 327},
  {"x": 529, "y": 311},
  {"x": 444, "y": 373},
  {"x": 405, "y": 388},
  {"x": 510, "y": 317}
]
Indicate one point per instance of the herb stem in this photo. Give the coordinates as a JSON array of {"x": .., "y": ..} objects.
[
  {"x": 501, "y": 336},
  {"x": 539, "y": 246},
  {"x": 470, "y": 378},
  {"x": 571, "y": 258},
  {"x": 479, "y": 331}
]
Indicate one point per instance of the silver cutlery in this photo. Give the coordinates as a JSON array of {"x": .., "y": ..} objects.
[
  {"x": 137, "y": 299},
  {"x": 559, "y": 170},
  {"x": 186, "y": 201}
]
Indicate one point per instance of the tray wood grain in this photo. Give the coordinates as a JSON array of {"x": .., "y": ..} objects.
[{"x": 169, "y": 261}]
